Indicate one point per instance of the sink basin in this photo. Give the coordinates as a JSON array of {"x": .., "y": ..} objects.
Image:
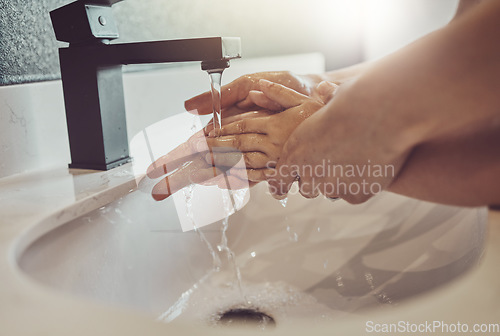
[
  {"x": 85, "y": 252},
  {"x": 313, "y": 259}
]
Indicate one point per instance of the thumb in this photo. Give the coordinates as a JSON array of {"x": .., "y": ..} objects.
[{"x": 326, "y": 91}]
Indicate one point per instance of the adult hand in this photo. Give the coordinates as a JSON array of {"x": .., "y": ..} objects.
[
  {"x": 236, "y": 93},
  {"x": 260, "y": 140},
  {"x": 340, "y": 151},
  {"x": 259, "y": 136},
  {"x": 186, "y": 165}
]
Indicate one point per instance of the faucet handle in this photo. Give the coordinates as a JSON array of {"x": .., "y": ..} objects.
[{"x": 85, "y": 21}]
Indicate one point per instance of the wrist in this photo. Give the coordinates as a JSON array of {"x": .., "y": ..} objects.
[{"x": 367, "y": 105}]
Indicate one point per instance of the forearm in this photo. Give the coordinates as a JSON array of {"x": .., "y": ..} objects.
[
  {"x": 462, "y": 170},
  {"x": 466, "y": 5},
  {"x": 339, "y": 76},
  {"x": 442, "y": 83}
]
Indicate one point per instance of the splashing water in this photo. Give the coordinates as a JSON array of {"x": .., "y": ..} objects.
[
  {"x": 188, "y": 195},
  {"x": 205, "y": 303},
  {"x": 293, "y": 236},
  {"x": 229, "y": 199},
  {"x": 229, "y": 206}
]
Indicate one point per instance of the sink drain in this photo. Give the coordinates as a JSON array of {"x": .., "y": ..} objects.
[{"x": 246, "y": 317}]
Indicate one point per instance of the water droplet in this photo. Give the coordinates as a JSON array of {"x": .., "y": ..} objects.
[
  {"x": 369, "y": 280},
  {"x": 338, "y": 278},
  {"x": 292, "y": 236},
  {"x": 193, "y": 126}
]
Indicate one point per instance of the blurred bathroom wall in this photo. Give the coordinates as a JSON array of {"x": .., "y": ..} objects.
[
  {"x": 266, "y": 27},
  {"x": 391, "y": 24},
  {"x": 345, "y": 31},
  {"x": 28, "y": 49}
]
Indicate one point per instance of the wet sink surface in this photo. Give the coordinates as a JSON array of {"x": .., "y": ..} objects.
[{"x": 312, "y": 259}]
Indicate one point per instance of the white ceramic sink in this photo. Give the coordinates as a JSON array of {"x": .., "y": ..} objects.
[
  {"x": 85, "y": 253},
  {"x": 312, "y": 259}
]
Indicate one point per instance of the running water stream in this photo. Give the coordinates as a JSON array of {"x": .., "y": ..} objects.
[
  {"x": 215, "y": 87},
  {"x": 229, "y": 200},
  {"x": 227, "y": 196}
]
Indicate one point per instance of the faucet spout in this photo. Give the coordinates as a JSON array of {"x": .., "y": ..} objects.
[
  {"x": 91, "y": 72},
  {"x": 208, "y": 49}
]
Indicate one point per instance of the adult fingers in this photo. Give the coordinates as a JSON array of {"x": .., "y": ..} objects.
[
  {"x": 240, "y": 178},
  {"x": 176, "y": 158},
  {"x": 326, "y": 90},
  {"x": 280, "y": 180},
  {"x": 251, "y": 175},
  {"x": 260, "y": 99},
  {"x": 242, "y": 126},
  {"x": 205, "y": 175},
  {"x": 258, "y": 175},
  {"x": 252, "y": 160},
  {"x": 281, "y": 94},
  {"x": 285, "y": 173},
  {"x": 246, "y": 104},
  {"x": 181, "y": 178},
  {"x": 248, "y": 142},
  {"x": 224, "y": 180},
  {"x": 233, "y": 118},
  {"x": 221, "y": 159},
  {"x": 230, "y": 95},
  {"x": 238, "y": 90}
]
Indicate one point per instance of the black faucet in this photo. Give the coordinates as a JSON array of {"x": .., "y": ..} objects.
[{"x": 91, "y": 71}]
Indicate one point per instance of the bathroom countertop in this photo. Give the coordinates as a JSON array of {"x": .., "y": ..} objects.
[{"x": 32, "y": 204}]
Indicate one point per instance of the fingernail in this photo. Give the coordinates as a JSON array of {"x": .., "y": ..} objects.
[
  {"x": 209, "y": 158},
  {"x": 265, "y": 83},
  {"x": 326, "y": 88},
  {"x": 161, "y": 191}
]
